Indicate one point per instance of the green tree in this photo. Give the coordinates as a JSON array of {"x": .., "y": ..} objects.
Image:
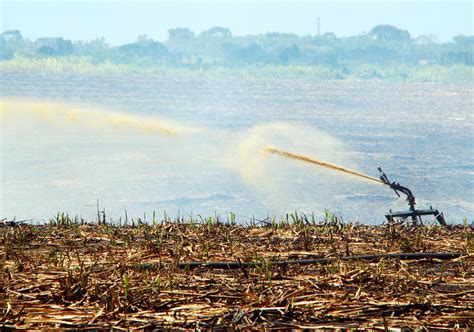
[
  {"x": 216, "y": 32},
  {"x": 11, "y": 43},
  {"x": 53, "y": 46},
  {"x": 180, "y": 33},
  {"x": 464, "y": 41},
  {"x": 252, "y": 54},
  {"x": 145, "y": 48},
  {"x": 389, "y": 33},
  {"x": 13, "y": 36},
  {"x": 289, "y": 55}
]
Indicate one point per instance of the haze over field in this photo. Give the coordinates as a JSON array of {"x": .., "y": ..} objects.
[
  {"x": 171, "y": 107},
  {"x": 97, "y": 141}
]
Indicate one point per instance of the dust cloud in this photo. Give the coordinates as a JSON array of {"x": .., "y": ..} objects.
[
  {"x": 60, "y": 157},
  {"x": 55, "y": 115}
]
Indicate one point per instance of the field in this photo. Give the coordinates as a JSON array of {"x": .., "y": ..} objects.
[
  {"x": 405, "y": 128},
  {"x": 456, "y": 73},
  {"x": 73, "y": 274}
]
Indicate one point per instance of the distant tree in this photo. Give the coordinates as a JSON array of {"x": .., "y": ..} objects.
[
  {"x": 5, "y": 52},
  {"x": 279, "y": 35},
  {"x": 277, "y": 40},
  {"x": 12, "y": 36},
  {"x": 380, "y": 55},
  {"x": 53, "y": 47},
  {"x": 144, "y": 47},
  {"x": 289, "y": 54},
  {"x": 460, "y": 51},
  {"x": 329, "y": 36},
  {"x": 464, "y": 40},
  {"x": 96, "y": 46},
  {"x": 180, "y": 33},
  {"x": 425, "y": 40},
  {"x": 321, "y": 55},
  {"x": 11, "y": 42},
  {"x": 97, "y": 49},
  {"x": 389, "y": 33},
  {"x": 45, "y": 51},
  {"x": 216, "y": 32},
  {"x": 251, "y": 54},
  {"x": 459, "y": 57},
  {"x": 382, "y": 46},
  {"x": 143, "y": 40}
]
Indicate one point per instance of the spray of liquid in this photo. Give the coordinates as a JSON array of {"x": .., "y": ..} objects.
[
  {"x": 307, "y": 159},
  {"x": 247, "y": 155},
  {"x": 68, "y": 154},
  {"x": 278, "y": 183},
  {"x": 60, "y": 156},
  {"x": 57, "y": 115}
]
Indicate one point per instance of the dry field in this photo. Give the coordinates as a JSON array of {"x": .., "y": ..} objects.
[{"x": 70, "y": 274}]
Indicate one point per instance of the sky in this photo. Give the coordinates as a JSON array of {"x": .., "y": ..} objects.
[{"x": 120, "y": 22}]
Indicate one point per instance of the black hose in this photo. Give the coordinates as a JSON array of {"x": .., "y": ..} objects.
[{"x": 239, "y": 265}]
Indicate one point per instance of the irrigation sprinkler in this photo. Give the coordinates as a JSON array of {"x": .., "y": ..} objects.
[
  {"x": 401, "y": 216},
  {"x": 412, "y": 213}
]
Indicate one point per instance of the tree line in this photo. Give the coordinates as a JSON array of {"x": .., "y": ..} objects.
[{"x": 383, "y": 45}]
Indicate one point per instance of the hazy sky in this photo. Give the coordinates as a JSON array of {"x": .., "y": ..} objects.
[{"x": 122, "y": 21}]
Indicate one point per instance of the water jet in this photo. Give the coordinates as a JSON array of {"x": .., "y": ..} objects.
[{"x": 401, "y": 216}]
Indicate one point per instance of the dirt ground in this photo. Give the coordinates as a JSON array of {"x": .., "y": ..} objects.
[{"x": 71, "y": 274}]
